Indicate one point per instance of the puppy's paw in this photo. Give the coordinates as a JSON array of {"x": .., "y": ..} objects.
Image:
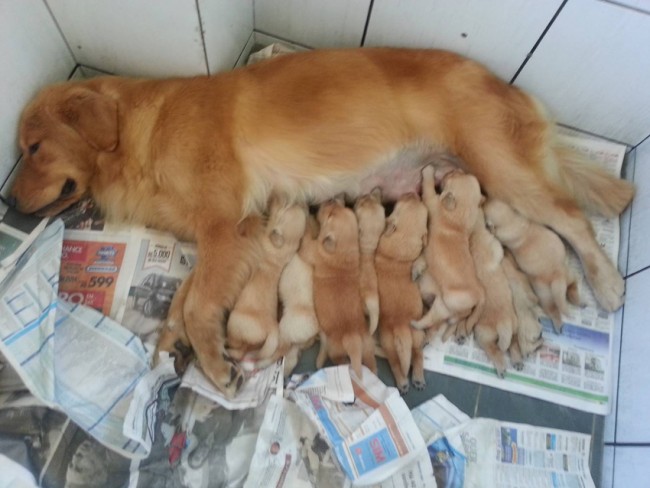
[
  {"x": 178, "y": 348},
  {"x": 501, "y": 372},
  {"x": 182, "y": 354},
  {"x": 460, "y": 339},
  {"x": 518, "y": 365},
  {"x": 404, "y": 388},
  {"x": 419, "y": 384}
]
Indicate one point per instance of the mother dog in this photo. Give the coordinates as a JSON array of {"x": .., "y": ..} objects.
[{"x": 195, "y": 156}]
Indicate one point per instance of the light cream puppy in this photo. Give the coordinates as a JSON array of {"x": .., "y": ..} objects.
[
  {"x": 371, "y": 218},
  {"x": 540, "y": 254},
  {"x": 399, "y": 298},
  {"x": 527, "y": 336},
  {"x": 335, "y": 258},
  {"x": 253, "y": 322},
  {"x": 498, "y": 319},
  {"x": 452, "y": 217}
]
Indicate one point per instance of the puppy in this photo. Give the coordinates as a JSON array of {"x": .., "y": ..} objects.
[
  {"x": 497, "y": 322},
  {"x": 452, "y": 217},
  {"x": 527, "y": 336},
  {"x": 253, "y": 325},
  {"x": 195, "y": 156},
  {"x": 399, "y": 298},
  {"x": 298, "y": 324},
  {"x": 539, "y": 253},
  {"x": 334, "y": 256},
  {"x": 370, "y": 216}
]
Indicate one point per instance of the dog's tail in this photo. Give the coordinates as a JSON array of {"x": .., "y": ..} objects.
[
  {"x": 353, "y": 346},
  {"x": 404, "y": 348},
  {"x": 594, "y": 189},
  {"x": 505, "y": 334}
]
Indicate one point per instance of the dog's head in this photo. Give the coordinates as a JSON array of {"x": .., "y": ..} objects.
[
  {"x": 286, "y": 225},
  {"x": 61, "y": 133},
  {"x": 497, "y": 214},
  {"x": 370, "y": 215},
  {"x": 339, "y": 231},
  {"x": 406, "y": 229}
]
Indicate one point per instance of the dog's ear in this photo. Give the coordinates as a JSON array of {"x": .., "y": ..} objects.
[
  {"x": 340, "y": 199},
  {"x": 376, "y": 194},
  {"x": 329, "y": 243},
  {"x": 482, "y": 201},
  {"x": 277, "y": 239},
  {"x": 425, "y": 240},
  {"x": 93, "y": 116},
  {"x": 448, "y": 200}
]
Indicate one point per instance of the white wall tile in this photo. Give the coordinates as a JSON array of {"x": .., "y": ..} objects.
[
  {"x": 134, "y": 37},
  {"x": 631, "y": 467},
  {"x": 484, "y": 30},
  {"x": 632, "y": 423},
  {"x": 589, "y": 67},
  {"x": 33, "y": 54},
  {"x": 314, "y": 23},
  {"x": 227, "y": 26},
  {"x": 607, "y": 480},
  {"x": 639, "y": 252}
]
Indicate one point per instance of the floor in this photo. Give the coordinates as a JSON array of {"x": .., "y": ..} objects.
[{"x": 626, "y": 456}]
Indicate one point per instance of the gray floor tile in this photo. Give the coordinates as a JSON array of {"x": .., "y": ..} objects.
[{"x": 632, "y": 467}]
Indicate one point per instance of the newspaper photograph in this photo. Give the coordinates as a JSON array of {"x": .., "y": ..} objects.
[{"x": 573, "y": 368}]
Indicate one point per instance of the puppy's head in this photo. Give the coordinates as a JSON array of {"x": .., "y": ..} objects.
[
  {"x": 286, "y": 225},
  {"x": 61, "y": 133},
  {"x": 461, "y": 198},
  {"x": 497, "y": 214},
  {"x": 370, "y": 216},
  {"x": 406, "y": 229},
  {"x": 339, "y": 231}
]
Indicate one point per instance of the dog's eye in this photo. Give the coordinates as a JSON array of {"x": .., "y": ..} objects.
[
  {"x": 33, "y": 148},
  {"x": 69, "y": 187}
]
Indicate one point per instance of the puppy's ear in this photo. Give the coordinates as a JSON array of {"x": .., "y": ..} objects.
[
  {"x": 425, "y": 239},
  {"x": 482, "y": 201},
  {"x": 376, "y": 194},
  {"x": 277, "y": 239},
  {"x": 93, "y": 116},
  {"x": 329, "y": 243},
  {"x": 448, "y": 200},
  {"x": 340, "y": 199}
]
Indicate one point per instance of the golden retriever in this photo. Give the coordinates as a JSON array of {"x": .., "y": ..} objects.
[
  {"x": 540, "y": 254},
  {"x": 253, "y": 322},
  {"x": 370, "y": 216},
  {"x": 452, "y": 217},
  {"x": 335, "y": 258},
  {"x": 196, "y": 155},
  {"x": 399, "y": 298}
]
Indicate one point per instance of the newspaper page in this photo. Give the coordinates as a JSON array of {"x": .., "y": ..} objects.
[
  {"x": 17, "y": 232},
  {"x": 485, "y": 453},
  {"x": 374, "y": 437},
  {"x": 572, "y": 369},
  {"x": 70, "y": 356}
]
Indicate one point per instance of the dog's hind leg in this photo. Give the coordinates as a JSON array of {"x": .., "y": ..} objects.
[
  {"x": 173, "y": 338},
  {"x": 417, "y": 360}
]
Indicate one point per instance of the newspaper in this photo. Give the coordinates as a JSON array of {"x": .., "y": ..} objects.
[
  {"x": 573, "y": 369},
  {"x": 70, "y": 356},
  {"x": 374, "y": 437},
  {"x": 259, "y": 385}
]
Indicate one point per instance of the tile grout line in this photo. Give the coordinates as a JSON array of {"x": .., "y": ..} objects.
[
  {"x": 58, "y": 27},
  {"x": 478, "y": 396},
  {"x": 205, "y": 50},
  {"x": 627, "y": 444},
  {"x": 529, "y": 55},
  {"x": 365, "y": 27}
]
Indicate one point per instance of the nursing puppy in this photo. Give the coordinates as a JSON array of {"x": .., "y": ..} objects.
[
  {"x": 540, "y": 254},
  {"x": 253, "y": 322},
  {"x": 527, "y": 336},
  {"x": 334, "y": 256},
  {"x": 399, "y": 298},
  {"x": 196, "y": 155},
  {"x": 370, "y": 216},
  {"x": 452, "y": 217},
  {"x": 498, "y": 320},
  {"x": 298, "y": 324}
]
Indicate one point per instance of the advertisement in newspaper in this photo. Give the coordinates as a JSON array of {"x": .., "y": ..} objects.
[{"x": 571, "y": 369}]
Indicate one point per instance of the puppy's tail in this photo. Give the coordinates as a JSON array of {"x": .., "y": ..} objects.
[
  {"x": 403, "y": 348},
  {"x": 505, "y": 334},
  {"x": 594, "y": 189},
  {"x": 353, "y": 346}
]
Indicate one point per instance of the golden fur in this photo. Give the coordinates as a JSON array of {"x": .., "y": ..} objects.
[
  {"x": 495, "y": 326},
  {"x": 334, "y": 256},
  {"x": 399, "y": 298},
  {"x": 452, "y": 217},
  {"x": 539, "y": 253},
  {"x": 253, "y": 322},
  {"x": 370, "y": 216},
  {"x": 196, "y": 155}
]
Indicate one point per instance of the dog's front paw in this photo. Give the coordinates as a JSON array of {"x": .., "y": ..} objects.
[
  {"x": 608, "y": 287},
  {"x": 419, "y": 384},
  {"x": 225, "y": 374},
  {"x": 518, "y": 365},
  {"x": 404, "y": 388},
  {"x": 177, "y": 347}
]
